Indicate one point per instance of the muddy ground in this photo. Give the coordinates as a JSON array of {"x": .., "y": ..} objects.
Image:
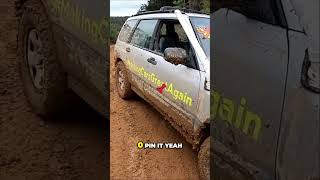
[
  {"x": 75, "y": 146},
  {"x": 135, "y": 120},
  {"x": 32, "y": 148}
]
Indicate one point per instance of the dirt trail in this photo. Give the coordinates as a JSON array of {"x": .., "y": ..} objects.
[
  {"x": 73, "y": 147},
  {"x": 135, "y": 120}
]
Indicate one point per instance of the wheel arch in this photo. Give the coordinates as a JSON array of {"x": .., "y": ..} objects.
[
  {"x": 18, "y": 4},
  {"x": 20, "y": 7},
  {"x": 205, "y": 133},
  {"x": 117, "y": 59}
]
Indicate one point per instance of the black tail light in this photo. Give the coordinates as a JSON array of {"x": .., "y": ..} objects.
[{"x": 310, "y": 78}]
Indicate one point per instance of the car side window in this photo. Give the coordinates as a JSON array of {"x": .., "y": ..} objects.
[
  {"x": 262, "y": 10},
  {"x": 143, "y": 34},
  {"x": 127, "y": 30},
  {"x": 171, "y": 34}
]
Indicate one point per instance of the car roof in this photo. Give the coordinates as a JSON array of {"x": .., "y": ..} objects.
[{"x": 165, "y": 16}]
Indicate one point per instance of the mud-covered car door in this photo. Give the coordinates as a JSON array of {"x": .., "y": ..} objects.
[
  {"x": 173, "y": 88},
  {"x": 299, "y": 139},
  {"x": 81, "y": 35},
  {"x": 250, "y": 66}
]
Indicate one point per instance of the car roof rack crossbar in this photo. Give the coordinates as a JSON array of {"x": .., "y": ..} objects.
[{"x": 169, "y": 9}]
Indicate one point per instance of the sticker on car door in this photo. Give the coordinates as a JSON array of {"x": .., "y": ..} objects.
[{"x": 169, "y": 87}]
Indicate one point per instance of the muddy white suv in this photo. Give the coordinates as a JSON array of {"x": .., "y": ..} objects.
[{"x": 163, "y": 56}]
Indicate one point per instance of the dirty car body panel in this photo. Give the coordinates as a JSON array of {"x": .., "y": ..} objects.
[{"x": 266, "y": 124}]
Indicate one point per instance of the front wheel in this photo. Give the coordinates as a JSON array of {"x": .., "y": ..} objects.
[
  {"x": 45, "y": 84},
  {"x": 204, "y": 160}
]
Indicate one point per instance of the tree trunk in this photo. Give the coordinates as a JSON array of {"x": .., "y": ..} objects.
[{"x": 194, "y": 4}]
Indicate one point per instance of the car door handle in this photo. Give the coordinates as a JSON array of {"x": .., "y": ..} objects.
[
  {"x": 128, "y": 49},
  {"x": 152, "y": 61}
]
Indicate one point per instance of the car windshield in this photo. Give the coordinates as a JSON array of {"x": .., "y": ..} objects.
[{"x": 201, "y": 26}]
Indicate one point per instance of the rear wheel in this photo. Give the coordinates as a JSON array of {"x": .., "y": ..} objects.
[
  {"x": 204, "y": 160},
  {"x": 122, "y": 81},
  {"x": 45, "y": 83}
]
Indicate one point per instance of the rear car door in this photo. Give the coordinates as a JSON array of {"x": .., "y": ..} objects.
[
  {"x": 250, "y": 66},
  {"x": 137, "y": 52},
  {"x": 122, "y": 46}
]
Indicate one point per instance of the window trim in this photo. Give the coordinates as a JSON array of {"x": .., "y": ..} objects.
[
  {"x": 282, "y": 17},
  {"x": 278, "y": 14}
]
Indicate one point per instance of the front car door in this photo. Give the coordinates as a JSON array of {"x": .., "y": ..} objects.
[
  {"x": 250, "y": 67},
  {"x": 174, "y": 89},
  {"x": 299, "y": 139}
]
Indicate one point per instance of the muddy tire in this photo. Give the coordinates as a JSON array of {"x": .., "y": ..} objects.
[
  {"x": 204, "y": 160},
  {"x": 45, "y": 84},
  {"x": 122, "y": 81}
]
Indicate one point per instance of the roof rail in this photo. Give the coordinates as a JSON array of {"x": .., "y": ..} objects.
[
  {"x": 169, "y": 9},
  {"x": 185, "y": 10}
]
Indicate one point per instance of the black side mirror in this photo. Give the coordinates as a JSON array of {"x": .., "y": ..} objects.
[{"x": 175, "y": 55}]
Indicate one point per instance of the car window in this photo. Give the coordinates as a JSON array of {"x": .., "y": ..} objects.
[
  {"x": 262, "y": 10},
  {"x": 178, "y": 29},
  {"x": 172, "y": 35},
  {"x": 142, "y": 36},
  {"x": 127, "y": 30},
  {"x": 202, "y": 29}
]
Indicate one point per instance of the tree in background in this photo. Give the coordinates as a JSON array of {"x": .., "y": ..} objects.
[
  {"x": 116, "y": 24},
  {"x": 205, "y": 7},
  {"x": 156, "y": 4},
  {"x": 180, "y": 3}
]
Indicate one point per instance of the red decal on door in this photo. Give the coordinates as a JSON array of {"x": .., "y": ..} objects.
[{"x": 160, "y": 89}]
